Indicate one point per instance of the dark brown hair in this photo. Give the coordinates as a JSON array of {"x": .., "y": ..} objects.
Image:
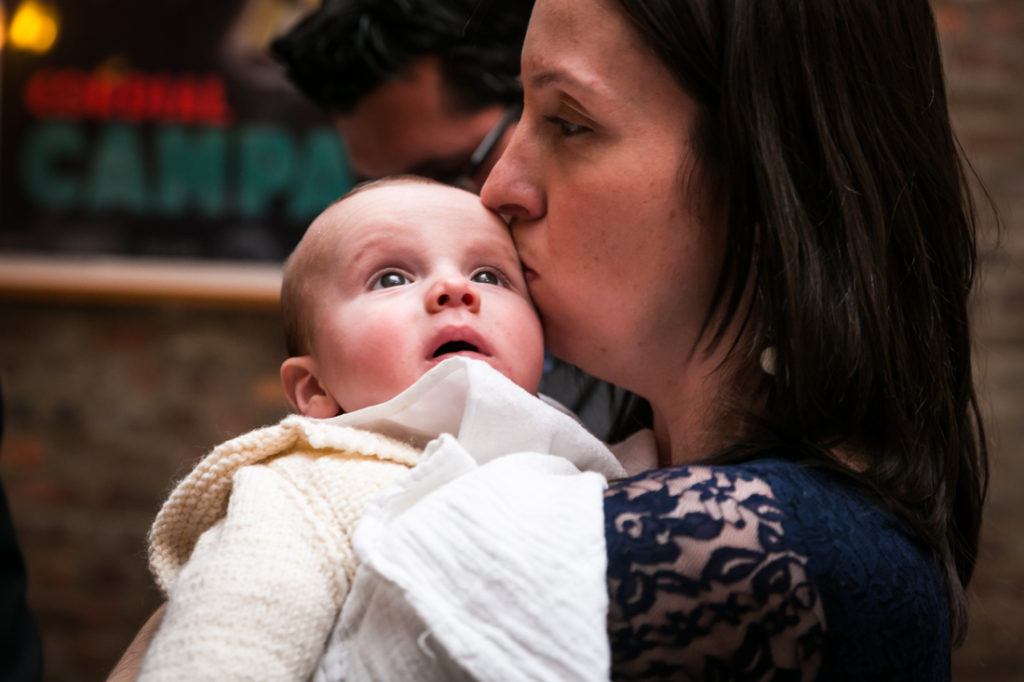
[
  {"x": 824, "y": 130},
  {"x": 345, "y": 49}
]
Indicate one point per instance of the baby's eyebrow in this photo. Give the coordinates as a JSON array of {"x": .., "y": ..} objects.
[
  {"x": 367, "y": 258},
  {"x": 380, "y": 241},
  {"x": 495, "y": 253}
]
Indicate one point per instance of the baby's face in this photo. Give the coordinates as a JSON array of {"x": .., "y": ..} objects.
[{"x": 417, "y": 273}]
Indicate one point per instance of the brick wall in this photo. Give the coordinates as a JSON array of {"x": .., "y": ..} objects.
[
  {"x": 105, "y": 407},
  {"x": 983, "y": 43},
  {"x": 107, "y": 404}
]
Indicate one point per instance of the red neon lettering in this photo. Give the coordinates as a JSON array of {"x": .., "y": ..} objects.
[
  {"x": 134, "y": 97},
  {"x": 54, "y": 93},
  {"x": 157, "y": 98},
  {"x": 213, "y": 106},
  {"x": 99, "y": 94}
]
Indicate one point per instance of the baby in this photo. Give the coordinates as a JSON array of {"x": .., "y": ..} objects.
[
  {"x": 254, "y": 548},
  {"x": 388, "y": 282}
]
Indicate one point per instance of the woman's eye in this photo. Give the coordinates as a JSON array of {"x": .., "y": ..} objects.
[
  {"x": 566, "y": 128},
  {"x": 486, "y": 277},
  {"x": 390, "y": 279}
]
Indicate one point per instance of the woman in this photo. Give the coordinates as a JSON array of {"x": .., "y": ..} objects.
[{"x": 754, "y": 216}]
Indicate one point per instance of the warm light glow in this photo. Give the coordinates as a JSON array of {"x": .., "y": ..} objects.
[{"x": 34, "y": 26}]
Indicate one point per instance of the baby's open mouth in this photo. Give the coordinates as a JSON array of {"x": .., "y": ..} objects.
[{"x": 455, "y": 347}]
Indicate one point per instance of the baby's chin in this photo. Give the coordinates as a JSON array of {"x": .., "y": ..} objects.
[{"x": 527, "y": 378}]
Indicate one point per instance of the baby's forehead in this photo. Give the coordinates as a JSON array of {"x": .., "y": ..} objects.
[
  {"x": 412, "y": 209},
  {"x": 413, "y": 195}
]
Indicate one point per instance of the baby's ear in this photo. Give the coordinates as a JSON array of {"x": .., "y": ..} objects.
[{"x": 304, "y": 391}]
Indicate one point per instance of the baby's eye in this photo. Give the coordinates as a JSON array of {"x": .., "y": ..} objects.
[
  {"x": 389, "y": 279},
  {"x": 486, "y": 277}
]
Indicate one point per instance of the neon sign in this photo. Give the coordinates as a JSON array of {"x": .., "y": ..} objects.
[
  {"x": 133, "y": 96},
  {"x": 120, "y": 138}
]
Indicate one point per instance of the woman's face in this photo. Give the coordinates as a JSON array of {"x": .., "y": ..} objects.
[{"x": 603, "y": 189}]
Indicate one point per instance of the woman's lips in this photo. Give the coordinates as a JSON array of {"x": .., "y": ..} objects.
[{"x": 529, "y": 274}]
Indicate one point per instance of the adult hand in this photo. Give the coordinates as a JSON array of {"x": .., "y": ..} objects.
[{"x": 127, "y": 668}]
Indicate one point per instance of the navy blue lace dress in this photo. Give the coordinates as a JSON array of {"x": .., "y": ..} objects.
[{"x": 768, "y": 570}]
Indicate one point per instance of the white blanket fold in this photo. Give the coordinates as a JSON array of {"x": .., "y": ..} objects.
[{"x": 487, "y": 560}]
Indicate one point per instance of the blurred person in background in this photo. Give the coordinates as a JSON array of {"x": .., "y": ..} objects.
[{"x": 429, "y": 87}]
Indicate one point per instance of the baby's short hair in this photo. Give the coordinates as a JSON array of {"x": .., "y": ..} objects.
[{"x": 306, "y": 262}]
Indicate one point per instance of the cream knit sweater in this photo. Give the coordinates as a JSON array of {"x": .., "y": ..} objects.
[{"x": 253, "y": 549}]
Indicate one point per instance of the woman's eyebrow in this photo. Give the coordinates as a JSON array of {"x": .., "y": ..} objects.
[
  {"x": 568, "y": 81},
  {"x": 553, "y": 77}
]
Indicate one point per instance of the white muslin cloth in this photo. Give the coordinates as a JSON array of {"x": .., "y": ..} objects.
[{"x": 487, "y": 560}]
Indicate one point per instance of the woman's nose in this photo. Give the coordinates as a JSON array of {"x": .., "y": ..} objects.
[
  {"x": 452, "y": 292},
  {"x": 511, "y": 189}
]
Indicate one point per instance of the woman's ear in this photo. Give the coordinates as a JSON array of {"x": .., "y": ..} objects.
[{"x": 304, "y": 390}]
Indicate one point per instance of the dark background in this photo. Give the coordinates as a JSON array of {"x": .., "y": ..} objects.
[{"x": 175, "y": 38}]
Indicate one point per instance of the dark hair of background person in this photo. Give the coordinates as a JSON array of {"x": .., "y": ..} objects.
[
  {"x": 347, "y": 48},
  {"x": 824, "y": 131},
  {"x": 21, "y": 651}
]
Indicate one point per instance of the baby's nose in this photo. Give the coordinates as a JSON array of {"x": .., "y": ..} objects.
[{"x": 453, "y": 292}]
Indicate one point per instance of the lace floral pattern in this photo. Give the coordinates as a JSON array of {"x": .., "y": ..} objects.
[{"x": 703, "y": 584}]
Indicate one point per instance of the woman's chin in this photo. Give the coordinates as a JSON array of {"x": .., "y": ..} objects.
[{"x": 570, "y": 353}]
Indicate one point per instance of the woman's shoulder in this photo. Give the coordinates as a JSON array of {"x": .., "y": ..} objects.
[
  {"x": 814, "y": 504},
  {"x": 768, "y": 563}
]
